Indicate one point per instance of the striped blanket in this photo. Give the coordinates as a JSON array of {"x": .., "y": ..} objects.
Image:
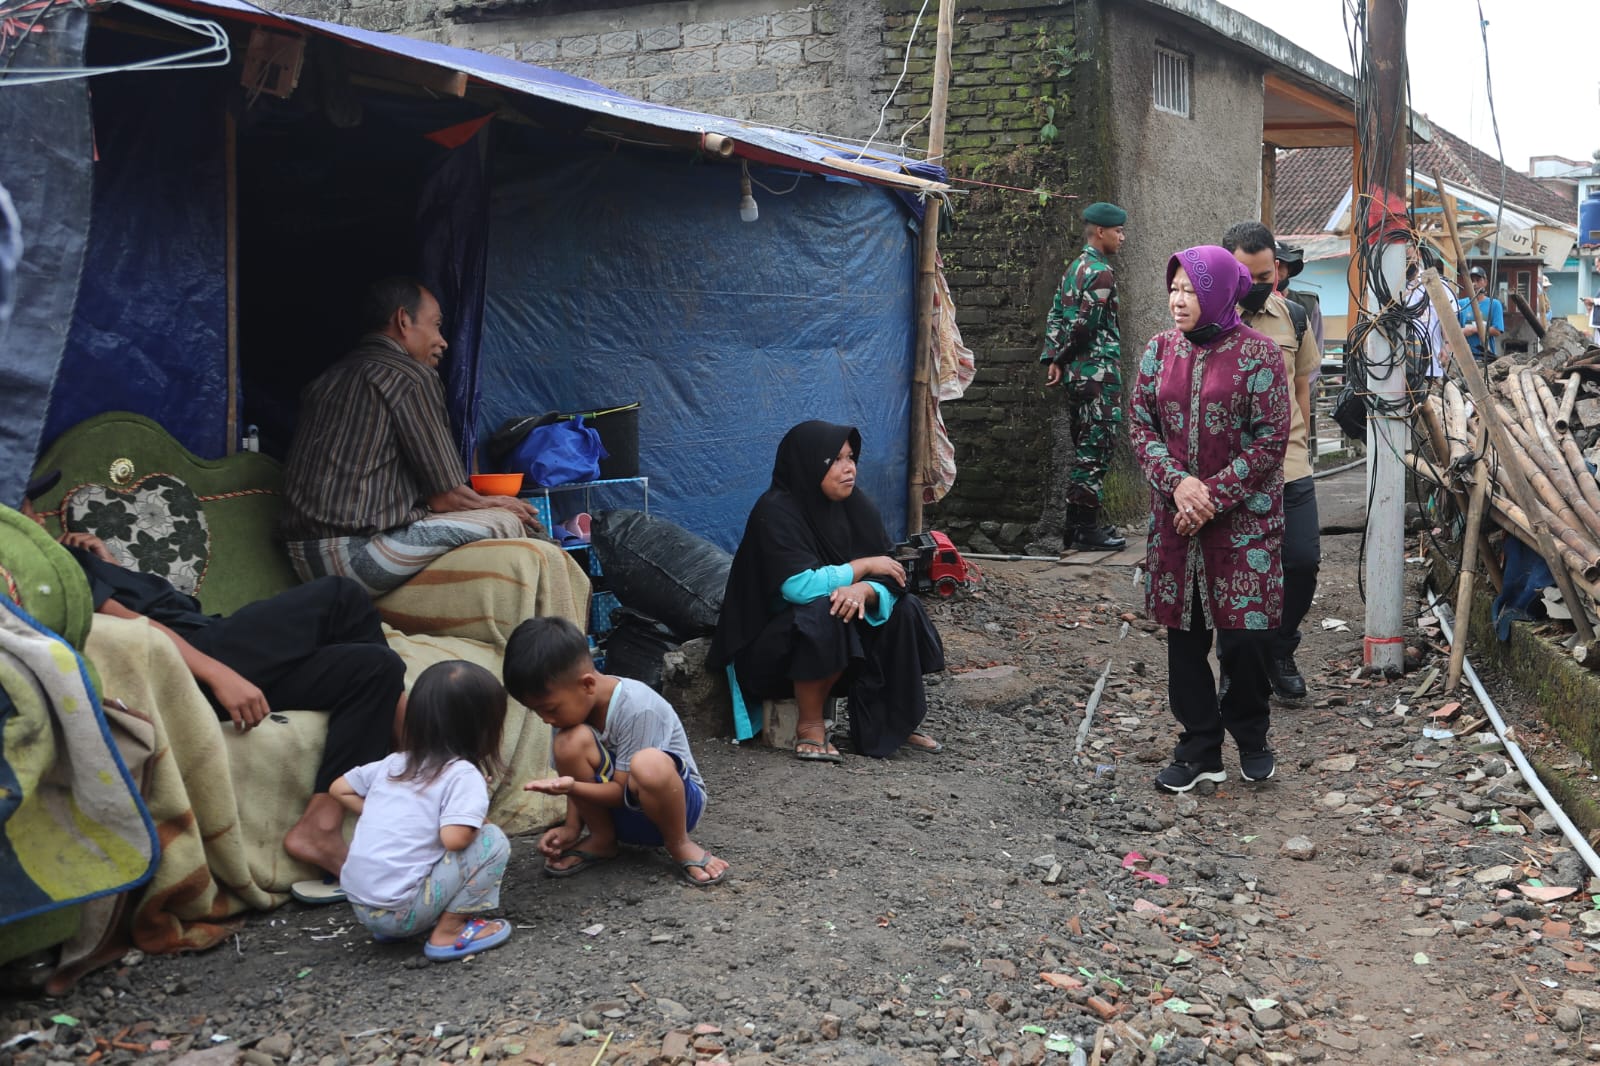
[
  {"x": 385, "y": 561},
  {"x": 74, "y": 827}
]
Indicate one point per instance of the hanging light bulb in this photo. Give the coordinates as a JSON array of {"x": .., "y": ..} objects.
[{"x": 748, "y": 211}]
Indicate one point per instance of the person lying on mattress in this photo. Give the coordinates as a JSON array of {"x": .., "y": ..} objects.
[
  {"x": 316, "y": 647},
  {"x": 374, "y": 487}
]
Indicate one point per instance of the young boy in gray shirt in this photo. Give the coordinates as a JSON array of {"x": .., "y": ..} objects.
[{"x": 621, "y": 753}]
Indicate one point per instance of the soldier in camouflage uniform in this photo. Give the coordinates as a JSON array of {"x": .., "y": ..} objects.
[{"x": 1083, "y": 349}]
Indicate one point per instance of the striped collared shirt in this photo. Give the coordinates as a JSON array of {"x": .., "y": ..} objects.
[{"x": 372, "y": 444}]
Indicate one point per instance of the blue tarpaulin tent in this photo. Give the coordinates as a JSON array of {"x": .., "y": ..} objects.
[{"x": 578, "y": 269}]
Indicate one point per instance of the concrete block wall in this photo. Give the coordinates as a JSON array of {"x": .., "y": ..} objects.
[{"x": 792, "y": 67}]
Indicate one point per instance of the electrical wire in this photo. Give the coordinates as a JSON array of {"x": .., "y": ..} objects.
[{"x": 904, "y": 67}]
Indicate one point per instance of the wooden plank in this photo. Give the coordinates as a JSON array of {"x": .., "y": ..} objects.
[{"x": 398, "y": 68}]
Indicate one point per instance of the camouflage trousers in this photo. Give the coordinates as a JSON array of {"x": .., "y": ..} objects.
[{"x": 1094, "y": 406}]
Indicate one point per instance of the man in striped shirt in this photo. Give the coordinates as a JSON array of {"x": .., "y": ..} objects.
[{"x": 375, "y": 486}]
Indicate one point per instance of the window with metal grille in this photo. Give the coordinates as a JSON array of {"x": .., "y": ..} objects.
[{"x": 1171, "y": 82}]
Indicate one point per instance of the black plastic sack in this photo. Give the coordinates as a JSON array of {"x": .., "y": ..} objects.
[
  {"x": 662, "y": 570},
  {"x": 638, "y": 646}
]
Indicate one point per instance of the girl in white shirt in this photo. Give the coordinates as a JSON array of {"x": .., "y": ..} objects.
[{"x": 422, "y": 861}]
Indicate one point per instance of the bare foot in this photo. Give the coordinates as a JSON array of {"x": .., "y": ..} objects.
[{"x": 318, "y": 837}]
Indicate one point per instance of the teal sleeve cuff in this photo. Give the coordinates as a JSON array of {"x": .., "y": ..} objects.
[
  {"x": 886, "y": 601},
  {"x": 809, "y": 585}
]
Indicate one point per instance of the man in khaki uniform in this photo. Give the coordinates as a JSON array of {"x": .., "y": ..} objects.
[{"x": 1268, "y": 312}]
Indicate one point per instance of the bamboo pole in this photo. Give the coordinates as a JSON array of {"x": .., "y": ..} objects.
[
  {"x": 1455, "y": 421},
  {"x": 1565, "y": 522},
  {"x": 1569, "y": 562},
  {"x": 1469, "y": 567},
  {"x": 1535, "y": 387},
  {"x": 1547, "y": 456},
  {"x": 1515, "y": 478},
  {"x": 1569, "y": 397},
  {"x": 927, "y": 278}
]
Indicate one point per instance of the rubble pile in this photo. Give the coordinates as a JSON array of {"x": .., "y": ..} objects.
[{"x": 1549, "y": 407}]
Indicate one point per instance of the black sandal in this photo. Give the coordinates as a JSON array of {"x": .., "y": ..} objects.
[{"x": 820, "y": 751}]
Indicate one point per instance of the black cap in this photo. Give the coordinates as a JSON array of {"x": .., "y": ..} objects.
[
  {"x": 1291, "y": 257},
  {"x": 41, "y": 484},
  {"x": 1477, "y": 272}
]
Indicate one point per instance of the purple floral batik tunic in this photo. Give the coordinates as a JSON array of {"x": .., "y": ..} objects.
[{"x": 1218, "y": 412}]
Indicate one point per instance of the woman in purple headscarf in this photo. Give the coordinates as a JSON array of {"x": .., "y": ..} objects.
[{"x": 1210, "y": 421}]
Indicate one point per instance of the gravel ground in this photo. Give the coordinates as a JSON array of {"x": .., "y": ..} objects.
[{"x": 1009, "y": 901}]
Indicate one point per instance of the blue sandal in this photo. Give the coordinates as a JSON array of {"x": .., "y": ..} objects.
[{"x": 472, "y": 940}]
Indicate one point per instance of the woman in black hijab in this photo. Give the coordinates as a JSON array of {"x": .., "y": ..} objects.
[{"x": 814, "y": 603}]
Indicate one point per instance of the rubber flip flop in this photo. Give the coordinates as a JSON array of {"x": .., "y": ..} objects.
[
  {"x": 700, "y": 864},
  {"x": 819, "y": 751},
  {"x": 933, "y": 749},
  {"x": 472, "y": 940},
  {"x": 586, "y": 859},
  {"x": 318, "y": 891}
]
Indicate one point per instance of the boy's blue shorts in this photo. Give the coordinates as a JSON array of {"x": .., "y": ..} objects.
[{"x": 631, "y": 824}]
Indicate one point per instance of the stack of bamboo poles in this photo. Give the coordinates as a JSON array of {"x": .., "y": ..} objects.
[{"x": 1538, "y": 432}]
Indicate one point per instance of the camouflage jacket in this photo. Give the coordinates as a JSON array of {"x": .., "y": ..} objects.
[{"x": 1082, "y": 326}]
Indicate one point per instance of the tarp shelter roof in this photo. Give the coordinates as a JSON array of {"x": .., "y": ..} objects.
[{"x": 763, "y": 144}]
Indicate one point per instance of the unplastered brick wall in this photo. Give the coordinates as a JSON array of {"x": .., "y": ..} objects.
[{"x": 1025, "y": 143}]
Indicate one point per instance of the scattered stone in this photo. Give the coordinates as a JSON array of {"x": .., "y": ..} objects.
[
  {"x": 278, "y": 1045},
  {"x": 1268, "y": 1019},
  {"x": 1495, "y": 875},
  {"x": 1568, "y": 1019},
  {"x": 1300, "y": 848},
  {"x": 1337, "y": 764}
]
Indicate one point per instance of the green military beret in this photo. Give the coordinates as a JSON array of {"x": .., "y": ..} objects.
[{"x": 1104, "y": 214}]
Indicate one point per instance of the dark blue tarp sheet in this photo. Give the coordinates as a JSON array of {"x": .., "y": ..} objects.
[
  {"x": 614, "y": 278},
  {"x": 45, "y": 164},
  {"x": 149, "y": 331}
]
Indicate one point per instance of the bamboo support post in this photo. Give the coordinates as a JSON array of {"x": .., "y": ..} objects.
[
  {"x": 1469, "y": 569},
  {"x": 1568, "y": 398},
  {"x": 1514, "y": 477}
]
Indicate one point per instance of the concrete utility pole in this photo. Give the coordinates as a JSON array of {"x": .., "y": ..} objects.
[
  {"x": 927, "y": 276},
  {"x": 1385, "y": 125}
]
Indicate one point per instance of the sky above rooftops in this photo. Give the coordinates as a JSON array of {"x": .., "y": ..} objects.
[{"x": 1542, "y": 55}]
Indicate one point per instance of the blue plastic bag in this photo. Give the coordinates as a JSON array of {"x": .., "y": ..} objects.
[{"x": 560, "y": 453}]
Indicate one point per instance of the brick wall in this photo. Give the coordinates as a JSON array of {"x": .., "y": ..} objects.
[{"x": 1009, "y": 66}]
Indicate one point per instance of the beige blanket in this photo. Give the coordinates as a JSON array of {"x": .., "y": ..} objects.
[
  {"x": 222, "y": 802},
  {"x": 482, "y": 591}
]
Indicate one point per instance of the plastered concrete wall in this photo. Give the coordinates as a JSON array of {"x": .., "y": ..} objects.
[{"x": 1186, "y": 179}]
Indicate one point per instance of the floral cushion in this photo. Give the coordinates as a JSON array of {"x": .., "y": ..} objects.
[{"x": 155, "y": 526}]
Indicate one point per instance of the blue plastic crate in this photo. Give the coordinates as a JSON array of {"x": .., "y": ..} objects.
[
  {"x": 601, "y": 604},
  {"x": 541, "y": 504}
]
